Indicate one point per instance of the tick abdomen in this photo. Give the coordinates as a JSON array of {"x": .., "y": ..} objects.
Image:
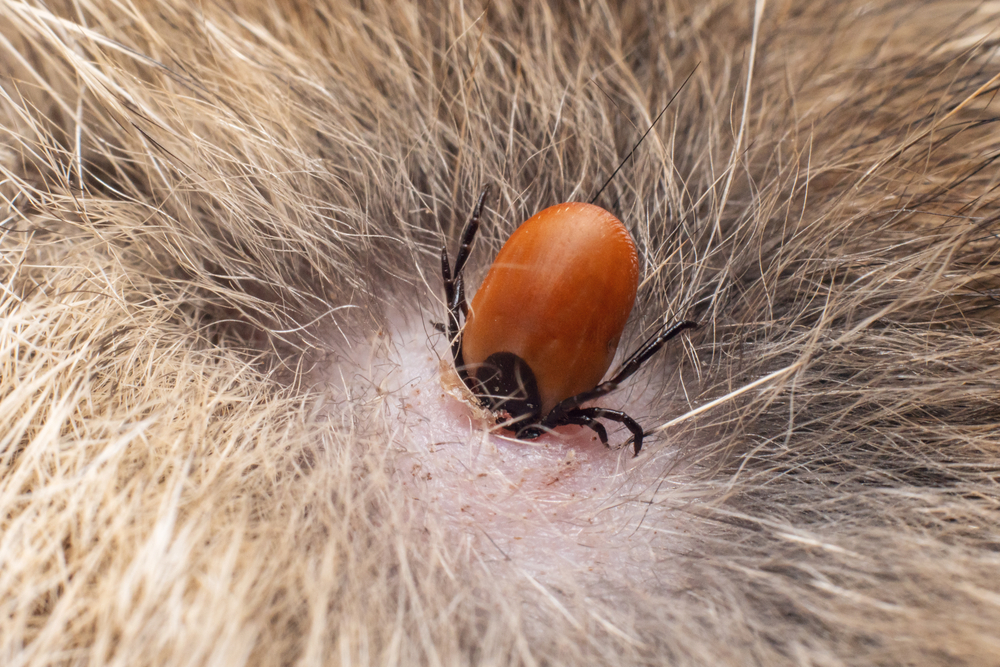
[{"x": 558, "y": 296}]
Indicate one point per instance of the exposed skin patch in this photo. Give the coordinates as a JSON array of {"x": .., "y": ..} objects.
[
  {"x": 195, "y": 196},
  {"x": 559, "y": 505}
]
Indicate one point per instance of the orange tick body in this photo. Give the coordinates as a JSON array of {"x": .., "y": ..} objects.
[
  {"x": 544, "y": 326},
  {"x": 558, "y": 296}
]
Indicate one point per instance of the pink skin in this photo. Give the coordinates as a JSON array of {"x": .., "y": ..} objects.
[{"x": 560, "y": 503}]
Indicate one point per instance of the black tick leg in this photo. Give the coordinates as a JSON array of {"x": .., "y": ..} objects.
[
  {"x": 613, "y": 415},
  {"x": 454, "y": 285},
  {"x": 579, "y": 418}
]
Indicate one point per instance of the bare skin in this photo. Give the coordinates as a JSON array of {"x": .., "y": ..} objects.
[{"x": 230, "y": 433}]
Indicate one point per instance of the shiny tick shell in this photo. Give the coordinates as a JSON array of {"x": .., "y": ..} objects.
[{"x": 558, "y": 296}]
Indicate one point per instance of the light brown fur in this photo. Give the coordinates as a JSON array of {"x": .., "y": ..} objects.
[{"x": 217, "y": 218}]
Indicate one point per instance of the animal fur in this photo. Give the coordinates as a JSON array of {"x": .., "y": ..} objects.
[{"x": 219, "y": 250}]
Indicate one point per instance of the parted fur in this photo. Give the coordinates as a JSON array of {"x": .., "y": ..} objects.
[{"x": 213, "y": 212}]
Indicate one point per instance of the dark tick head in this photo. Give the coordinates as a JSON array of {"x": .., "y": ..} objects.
[{"x": 505, "y": 382}]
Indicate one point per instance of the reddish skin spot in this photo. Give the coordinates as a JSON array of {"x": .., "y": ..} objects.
[{"x": 558, "y": 296}]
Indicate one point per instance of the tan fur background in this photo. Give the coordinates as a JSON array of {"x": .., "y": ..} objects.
[{"x": 213, "y": 217}]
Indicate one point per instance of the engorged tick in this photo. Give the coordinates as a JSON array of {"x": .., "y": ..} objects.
[{"x": 544, "y": 326}]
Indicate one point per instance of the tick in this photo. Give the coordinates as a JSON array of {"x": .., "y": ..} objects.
[{"x": 544, "y": 326}]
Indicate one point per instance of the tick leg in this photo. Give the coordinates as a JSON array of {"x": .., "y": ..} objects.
[
  {"x": 454, "y": 285},
  {"x": 648, "y": 349},
  {"x": 580, "y": 419},
  {"x": 613, "y": 415},
  {"x": 462, "y": 303},
  {"x": 469, "y": 234},
  {"x": 631, "y": 365},
  {"x": 451, "y": 298},
  {"x": 575, "y": 418}
]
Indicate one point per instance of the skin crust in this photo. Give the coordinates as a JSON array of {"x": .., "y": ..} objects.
[{"x": 558, "y": 295}]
